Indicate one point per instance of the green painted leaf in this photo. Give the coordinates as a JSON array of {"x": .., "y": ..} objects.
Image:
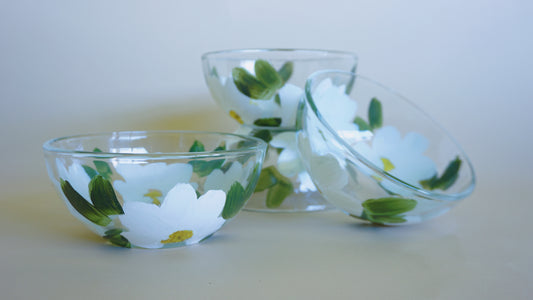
[
  {"x": 266, "y": 179},
  {"x": 103, "y": 196},
  {"x": 447, "y": 179},
  {"x": 285, "y": 72},
  {"x": 90, "y": 171},
  {"x": 277, "y": 100},
  {"x": 362, "y": 124},
  {"x": 250, "y": 86},
  {"x": 263, "y": 134},
  {"x": 253, "y": 179},
  {"x": 277, "y": 194},
  {"x": 203, "y": 168},
  {"x": 389, "y": 206},
  {"x": 382, "y": 220},
  {"x": 103, "y": 169},
  {"x": 267, "y": 75},
  {"x": 268, "y": 122},
  {"x": 375, "y": 114},
  {"x": 114, "y": 236},
  {"x": 83, "y": 206},
  {"x": 222, "y": 147},
  {"x": 197, "y": 146},
  {"x": 214, "y": 72},
  {"x": 234, "y": 201}
]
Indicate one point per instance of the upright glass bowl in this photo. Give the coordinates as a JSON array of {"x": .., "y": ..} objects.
[
  {"x": 154, "y": 189},
  {"x": 375, "y": 155},
  {"x": 261, "y": 89}
]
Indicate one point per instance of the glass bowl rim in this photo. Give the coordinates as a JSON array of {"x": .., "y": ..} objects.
[
  {"x": 259, "y": 146},
  {"x": 212, "y": 54},
  {"x": 386, "y": 175}
]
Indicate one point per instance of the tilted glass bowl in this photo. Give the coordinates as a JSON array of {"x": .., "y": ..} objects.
[
  {"x": 261, "y": 89},
  {"x": 155, "y": 189},
  {"x": 375, "y": 155}
]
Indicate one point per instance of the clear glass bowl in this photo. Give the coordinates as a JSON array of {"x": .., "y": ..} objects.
[
  {"x": 375, "y": 155},
  {"x": 155, "y": 189},
  {"x": 262, "y": 89}
]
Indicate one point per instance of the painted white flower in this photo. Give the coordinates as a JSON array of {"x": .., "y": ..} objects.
[
  {"x": 181, "y": 217},
  {"x": 147, "y": 182},
  {"x": 335, "y": 106},
  {"x": 330, "y": 175},
  {"x": 289, "y": 163},
  {"x": 247, "y": 110},
  {"x": 219, "y": 180},
  {"x": 402, "y": 157}
]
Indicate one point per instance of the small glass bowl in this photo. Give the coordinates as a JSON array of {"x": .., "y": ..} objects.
[
  {"x": 375, "y": 155},
  {"x": 262, "y": 89},
  {"x": 155, "y": 189}
]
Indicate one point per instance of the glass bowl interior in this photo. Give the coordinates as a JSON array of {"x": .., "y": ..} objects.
[{"x": 403, "y": 139}]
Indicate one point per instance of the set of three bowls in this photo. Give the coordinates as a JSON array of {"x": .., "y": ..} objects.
[{"x": 313, "y": 135}]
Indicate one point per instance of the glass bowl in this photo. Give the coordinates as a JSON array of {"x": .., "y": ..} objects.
[
  {"x": 375, "y": 155},
  {"x": 261, "y": 89},
  {"x": 155, "y": 189}
]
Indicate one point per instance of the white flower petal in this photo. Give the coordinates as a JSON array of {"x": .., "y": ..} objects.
[
  {"x": 177, "y": 203},
  {"x": 289, "y": 163},
  {"x": 144, "y": 223},
  {"x": 139, "y": 179},
  {"x": 204, "y": 216},
  {"x": 285, "y": 139}
]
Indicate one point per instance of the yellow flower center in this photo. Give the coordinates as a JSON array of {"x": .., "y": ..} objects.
[
  {"x": 387, "y": 164},
  {"x": 154, "y": 194},
  {"x": 236, "y": 116},
  {"x": 178, "y": 236}
]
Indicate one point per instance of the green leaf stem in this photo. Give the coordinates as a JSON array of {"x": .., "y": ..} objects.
[{"x": 83, "y": 206}]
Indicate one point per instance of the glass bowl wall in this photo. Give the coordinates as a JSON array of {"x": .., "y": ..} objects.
[
  {"x": 154, "y": 189},
  {"x": 261, "y": 89},
  {"x": 375, "y": 155}
]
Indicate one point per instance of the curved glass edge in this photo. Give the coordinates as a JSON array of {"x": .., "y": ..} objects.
[
  {"x": 316, "y": 76},
  {"x": 259, "y": 145}
]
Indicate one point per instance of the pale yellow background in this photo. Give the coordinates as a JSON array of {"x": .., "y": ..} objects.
[{"x": 70, "y": 67}]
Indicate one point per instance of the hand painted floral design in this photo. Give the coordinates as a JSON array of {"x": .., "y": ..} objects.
[
  {"x": 150, "y": 182},
  {"x": 401, "y": 157},
  {"x": 182, "y": 217},
  {"x": 246, "y": 110},
  {"x": 79, "y": 180}
]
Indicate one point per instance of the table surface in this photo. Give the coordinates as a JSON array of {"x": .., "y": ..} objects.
[{"x": 479, "y": 250}]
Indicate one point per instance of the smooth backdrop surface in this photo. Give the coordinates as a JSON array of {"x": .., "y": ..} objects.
[{"x": 70, "y": 67}]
